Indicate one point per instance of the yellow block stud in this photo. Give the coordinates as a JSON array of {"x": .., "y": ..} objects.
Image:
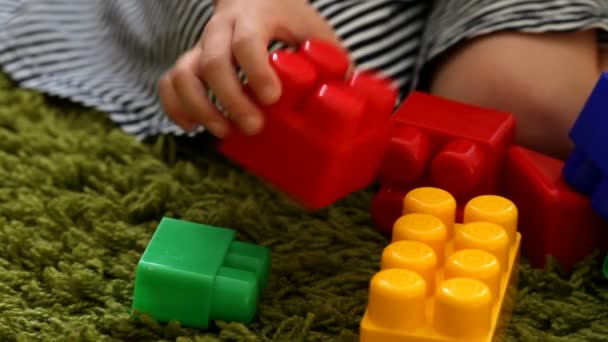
[
  {"x": 433, "y": 201},
  {"x": 414, "y": 256},
  {"x": 486, "y": 236},
  {"x": 463, "y": 309},
  {"x": 397, "y": 299},
  {"x": 424, "y": 228},
  {"x": 476, "y": 264},
  {"x": 495, "y": 209}
]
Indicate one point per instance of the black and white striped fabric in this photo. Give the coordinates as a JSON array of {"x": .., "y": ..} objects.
[{"x": 109, "y": 54}]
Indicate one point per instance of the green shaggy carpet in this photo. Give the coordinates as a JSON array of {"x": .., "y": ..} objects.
[{"x": 79, "y": 201}]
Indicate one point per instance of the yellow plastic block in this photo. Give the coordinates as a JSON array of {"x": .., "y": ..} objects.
[{"x": 444, "y": 281}]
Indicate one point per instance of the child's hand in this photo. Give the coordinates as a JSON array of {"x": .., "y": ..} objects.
[{"x": 238, "y": 34}]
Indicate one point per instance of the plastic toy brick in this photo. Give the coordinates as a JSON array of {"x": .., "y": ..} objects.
[
  {"x": 554, "y": 219},
  {"x": 386, "y": 208},
  {"x": 193, "y": 273},
  {"x": 444, "y": 281},
  {"x": 586, "y": 169},
  {"x": 447, "y": 144},
  {"x": 326, "y": 136},
  {"x": 442, "y": 143}
]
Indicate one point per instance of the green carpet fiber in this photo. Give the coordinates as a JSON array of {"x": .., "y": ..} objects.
[{"x": 79, "y": 201}]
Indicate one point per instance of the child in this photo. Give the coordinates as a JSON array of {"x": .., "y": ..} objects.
[{"x": 537, "y": 59}]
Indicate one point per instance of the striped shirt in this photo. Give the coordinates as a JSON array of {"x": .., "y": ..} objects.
[{"x": 110, "y": 54}]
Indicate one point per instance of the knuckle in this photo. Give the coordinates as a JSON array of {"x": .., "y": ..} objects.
[
  {"x": 211, "y": 61},
  {"x": 181, "y": 71},
  {"x": 240, "y": 40},
  {"x": 217, "y": 19}
]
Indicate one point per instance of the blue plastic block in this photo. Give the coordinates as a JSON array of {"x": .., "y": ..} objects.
[
  {"x": 589, "y": 130},
  {"x": 586, "y": 170},
  {"x": 581, "y": 172}
]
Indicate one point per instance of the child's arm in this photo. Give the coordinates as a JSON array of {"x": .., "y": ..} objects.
[{"x": 238, "y": 34}]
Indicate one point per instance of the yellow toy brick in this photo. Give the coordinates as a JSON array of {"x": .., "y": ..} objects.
[{"x": 444, "y": 281}]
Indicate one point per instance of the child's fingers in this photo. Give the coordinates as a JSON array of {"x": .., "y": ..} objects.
[
  {"x": 249, "y": 47},
  {"x": 220, "y": 75},
  {"x": 171, "y": 104},
  {"x": 193, "y": 95}
]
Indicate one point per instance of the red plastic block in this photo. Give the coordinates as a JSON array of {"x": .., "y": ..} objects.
[
  {"x": 554, "y": 219},
  {"x": 386, "y": 208},
  {"x": 326, "y": 136},
  {"x": 447, "y": 144}
]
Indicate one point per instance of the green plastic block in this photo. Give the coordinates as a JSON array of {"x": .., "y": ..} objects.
[
  {"x": 194, "y": 273},
  {"x": 605, "y": 270}
]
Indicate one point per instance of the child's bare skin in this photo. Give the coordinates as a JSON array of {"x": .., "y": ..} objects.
[{"x": 239, "y": 32}]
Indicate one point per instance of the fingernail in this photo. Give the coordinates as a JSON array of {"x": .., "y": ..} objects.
[
  {"x": 185, "y": 122},
  {"x": 189, "y": 126},
  {"x": 252, "y": 124},
  {"x": 270, "y": 95},
  {"x": 218, "y": 129}
]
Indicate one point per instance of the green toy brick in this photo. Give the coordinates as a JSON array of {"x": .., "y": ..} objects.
[{"x": 195, "y": 273}]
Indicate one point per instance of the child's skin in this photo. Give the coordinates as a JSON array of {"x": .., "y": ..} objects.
[{"x": 543, "y": 79}]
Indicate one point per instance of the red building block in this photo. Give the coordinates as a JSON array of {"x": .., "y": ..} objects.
[
  {"x": 554, "y": 219},
  {"x": 446, "y": 144},
  {"x": 386, "y": 208},
  {"x": 326, "y": 136}
]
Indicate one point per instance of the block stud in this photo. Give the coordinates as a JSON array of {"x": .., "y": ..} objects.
[
  {"x": 495, "y": 209},
  {"x": 459, "y": 167},
  {"x": 477, "y": 264},
  {"x": 463, "y": 309},
  {"x": 397, "y": 299},
  {"x": 432, "y": 201},
  {"x": 424, "y": 228},
  {"x": 414, "y": 256},
  {"x": 486, "y": 236},
  {"x": 406, "y": 157}
]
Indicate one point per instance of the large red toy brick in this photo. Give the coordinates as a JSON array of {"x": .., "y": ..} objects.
[
  {"x": 386, "y": 208},
  {"x": 447, "y": 144},
  {"x": 326, "y": 135},
  {"x": 554, "y": 219}
]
